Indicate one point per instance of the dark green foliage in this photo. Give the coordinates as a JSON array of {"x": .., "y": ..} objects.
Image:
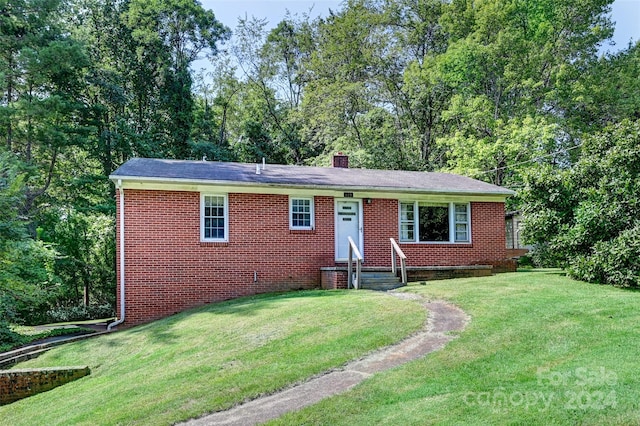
[
  {"x": 257, "y": 144},
  {"x": 84, "y": 86},
  {"x": 526, "y": 262},
  {"x": 586, "y": 216},
  {"x": 493, "y": 89},
  {"x": 611, "y": 262},
  {"x": 85, "y": 243},
  {"x": 79, "y": 313},
  {"x": 27, "y": 281},
  {"x": 9, "y": 339}
]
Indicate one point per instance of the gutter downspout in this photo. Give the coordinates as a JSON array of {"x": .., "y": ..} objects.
[{"x": 122, "y": 310}]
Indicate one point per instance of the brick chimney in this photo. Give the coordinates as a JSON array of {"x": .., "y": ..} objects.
[{"x": 341, "y": 160}]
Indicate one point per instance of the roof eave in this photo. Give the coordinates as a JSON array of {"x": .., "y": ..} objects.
[{"x": 345, "y": 188}]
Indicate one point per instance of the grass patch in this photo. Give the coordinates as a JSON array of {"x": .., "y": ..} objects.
[
  {"x": 540, "y": 349},
  {"x": 214, "y": 357}
]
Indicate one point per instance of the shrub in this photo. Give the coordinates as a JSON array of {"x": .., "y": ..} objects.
[
  {"x": 79, "y": 313},
  {"x": 8, "y": 338},
  {"x": 611, "y": 262},
  {"x": 544, "y": 256},
  {"x": 584, "y": 218},
  {"x": 525, "y": 262}
]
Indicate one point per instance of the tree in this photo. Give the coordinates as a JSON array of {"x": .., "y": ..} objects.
[
  {"x": 410, "y": 80},
  {"x": 511, "y": 62},
  {"x": 215, "y": 107},
  {"x": 337, "y": 95},
  {"x": 273, "y": 79},
  {"x": 587, "y": 215},
  {"x": 26, "y": 265},
  {"x": 174, "y": 32},
  {"x": 42, "y": 77},
  {"x": 608, "y": 93}
]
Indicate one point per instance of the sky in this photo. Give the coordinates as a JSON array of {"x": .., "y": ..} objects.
[
  {"x": 228, "y": 11},
  {"x": 625, "y": 14}
]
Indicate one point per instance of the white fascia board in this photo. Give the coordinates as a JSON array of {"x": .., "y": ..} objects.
[{"x": 196, "y": 185}]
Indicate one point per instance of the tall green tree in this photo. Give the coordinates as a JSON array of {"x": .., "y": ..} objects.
[
  {"x": 26, "y": 265},
  {"x": 215, "y": 112},
  {"x": 270, "y": 83},
  {"x": 337, "y": 95},
  {"x": 510, "y": 63},
  {"x": 175, "y": 33},
  {"x": 410, "y": 81},
  {"x": 41, "y": 80},
  {"x": 608, "y": 92}
]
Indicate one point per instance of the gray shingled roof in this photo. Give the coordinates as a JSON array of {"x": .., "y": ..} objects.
[{"x": 145, "y": 169}]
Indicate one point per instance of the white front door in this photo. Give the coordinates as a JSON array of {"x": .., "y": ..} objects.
[{"x": 348, "y": 224}]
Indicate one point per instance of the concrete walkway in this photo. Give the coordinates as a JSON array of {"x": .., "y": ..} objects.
[{"x": 443, "y": 318}]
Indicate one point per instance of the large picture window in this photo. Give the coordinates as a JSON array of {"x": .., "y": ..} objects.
[
  {"x": 434, "y": 222},
  {"x": 214, "y": 222},
  {"x": 301, "y": 213}
]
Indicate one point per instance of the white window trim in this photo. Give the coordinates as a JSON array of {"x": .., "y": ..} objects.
[
  {"x": 226, "y": 219},
  {"x": 312, "y": 211},
  {"x": 416, "y": 224},
  {"x": 453, "y": 221}
]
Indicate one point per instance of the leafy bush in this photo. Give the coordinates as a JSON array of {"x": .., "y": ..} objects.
[
  {"x": 584, "y": 218},
  {"x": 79, "y": 313},
  {"x": 525, "y": 262},
  {"x": 9, "y": 339},
  {"x": 544, "y": 256},
  {"x": 27, "y": 279},
  {"x": 612, "y": 262}
]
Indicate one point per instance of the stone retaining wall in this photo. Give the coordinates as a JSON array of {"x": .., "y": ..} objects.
[{"x": 18, "y": 384}]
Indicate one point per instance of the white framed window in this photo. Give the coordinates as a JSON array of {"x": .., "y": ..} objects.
[
  {"x": 301, "y": 215},
  {"x": 407, "y": 222},
  {"x": 461, "y": 223},
  {"x": 214, "y": 218},
  {"x": 435, "y": 222}
]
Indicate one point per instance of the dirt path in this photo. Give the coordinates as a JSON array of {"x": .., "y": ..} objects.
[{"x": 443, "y": 318}]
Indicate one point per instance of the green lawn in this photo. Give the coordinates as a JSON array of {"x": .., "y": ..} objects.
[
  {"x": 540, "y": 349},
  {"x": 214, "y": 357}
]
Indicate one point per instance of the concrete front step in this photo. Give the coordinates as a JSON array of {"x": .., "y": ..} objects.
[
  {"x": 379, "y": 274},
  {"x": 379, "y": 280},
  {"x": 381, "y": 286}
]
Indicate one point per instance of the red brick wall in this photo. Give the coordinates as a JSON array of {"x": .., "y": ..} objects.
[
  {"x": 168, "y": 269},
  {"x": 487, "y": 238}
]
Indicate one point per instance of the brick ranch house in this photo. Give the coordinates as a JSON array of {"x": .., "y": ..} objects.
[{"x": 194, "y": 232}]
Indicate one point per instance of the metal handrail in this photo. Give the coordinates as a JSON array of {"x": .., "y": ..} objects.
[
  {"x": 353, "y": 251},
  {"x": 395, "y": 249}
]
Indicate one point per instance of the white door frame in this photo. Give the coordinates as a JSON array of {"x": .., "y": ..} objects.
[{"x": 360, "y": 240}]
